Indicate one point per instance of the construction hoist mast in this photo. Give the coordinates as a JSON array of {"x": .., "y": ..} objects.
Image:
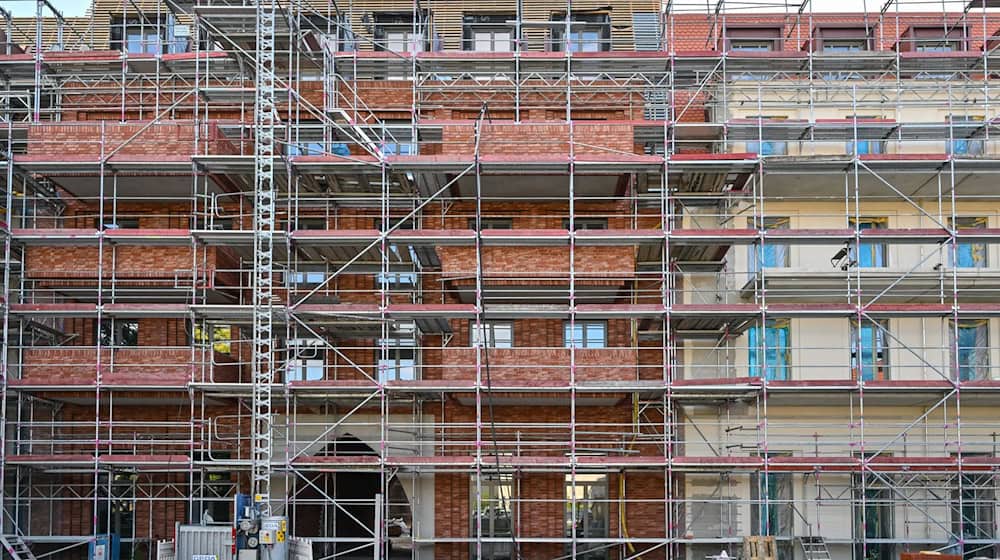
[{"x": 265, "y": 114}]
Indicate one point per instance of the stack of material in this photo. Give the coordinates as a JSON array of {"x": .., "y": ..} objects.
[
  {"x": 759, "y": 548},
  {"x": 927, "y": 555}
]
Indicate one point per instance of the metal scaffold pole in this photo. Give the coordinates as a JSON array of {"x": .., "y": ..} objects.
[{"x": 265, "y": 114}]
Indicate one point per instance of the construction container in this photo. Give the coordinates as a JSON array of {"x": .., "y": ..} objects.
[{"x": 204, "y": 542}]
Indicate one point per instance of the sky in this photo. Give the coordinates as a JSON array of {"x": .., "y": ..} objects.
[{"x": 79, "y": 7}]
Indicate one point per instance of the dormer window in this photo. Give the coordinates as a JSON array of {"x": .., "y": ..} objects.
[
  {"x": 932, "y": 39},
  {"x": 841, "y": 39},
  {"x": 753, "y": 39}
]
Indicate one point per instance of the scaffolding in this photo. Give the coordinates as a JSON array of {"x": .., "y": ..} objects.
[{"x": 517, "y": 279}]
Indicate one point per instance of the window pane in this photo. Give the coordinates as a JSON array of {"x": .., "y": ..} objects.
[
  {"x": 495, "y": 513},
  {"x": 770, "y": 254},
  {"x": 870, "y": 354},
  {"x": 864, "y": 147},
  {"x": 774, "y": 148},
  {"x": 590, "y": 518},
  {"x": 395, "y": 41},
  {"x": 970, "y": 255},
  {"x": 397, "y": 370},
  {"x": 415, "y": 43},
  {"x": 306, "y": 359},
  {"x": 308, "y": 278},
  {"x": 398, "y": 362},
  {"x": 219, "y": 336},
  {"x": 843, "y": 46},
  {"x": 134, "y": 41},
  {"x": 402, "y": 280},
  {"x": 152, "y": 42},
  {"x": 870, "y": 254},
  {"x": 498, "y": 334},
  {"x": 585, "y": 334},
  {"x": 750, "y": 46},
  {"x": 118, "y": 333},
  {"x": 595, "y": 335},
  {"x": 972, "y": 348},
  {"x": 483, "y": 43},
  {"x": 502, "y": 42},
  {"x": 769, "y": 357},
  {"x": 572, "y": 335},
  {"x": 306, "y": 370}
]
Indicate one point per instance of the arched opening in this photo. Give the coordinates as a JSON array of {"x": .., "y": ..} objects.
[{"x": 347, "y": 524}]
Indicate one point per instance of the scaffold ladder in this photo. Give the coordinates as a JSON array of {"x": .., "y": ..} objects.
[
  {"x": 265, "y": 114},
  {"x": 814, "y": 548},
  {"x": 16, "y": 547}
]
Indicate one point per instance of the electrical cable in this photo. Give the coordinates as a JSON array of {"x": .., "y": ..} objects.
[{"x": 485, "y": 343}]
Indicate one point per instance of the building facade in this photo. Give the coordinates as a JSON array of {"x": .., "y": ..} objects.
[{"x": 517, "y": 279}]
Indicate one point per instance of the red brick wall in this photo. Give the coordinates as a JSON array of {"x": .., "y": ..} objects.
[
  {"x": 539, "y": 138},
  {"x": 119, "y": 366},
  {"x": 541, "y": 365},
  {"x": 161, "y": 139},
  {"x": 540, "y": 511},
  {"x": 160, "y": 498},
  {"x": 606, "y": 266},
  {"x": 126, "y": 261}
]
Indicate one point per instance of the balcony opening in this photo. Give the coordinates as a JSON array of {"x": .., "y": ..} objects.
[
  {"x": 332, "y": 28},
  {"x": 398, "y": 32},
  {"x": 116, "y": 507},
  {"x": 143, "y": 35},
  {"x": 588, "y": 32},
  {"x": 488, "y": 33}
]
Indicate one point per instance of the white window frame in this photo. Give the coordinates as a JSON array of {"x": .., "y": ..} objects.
[
  {"x": 499, "y": 334},
  {"x": 306, "y": 359}
]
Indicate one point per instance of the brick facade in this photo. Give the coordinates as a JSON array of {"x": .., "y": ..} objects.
[{"x": 173, "y": 399}]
